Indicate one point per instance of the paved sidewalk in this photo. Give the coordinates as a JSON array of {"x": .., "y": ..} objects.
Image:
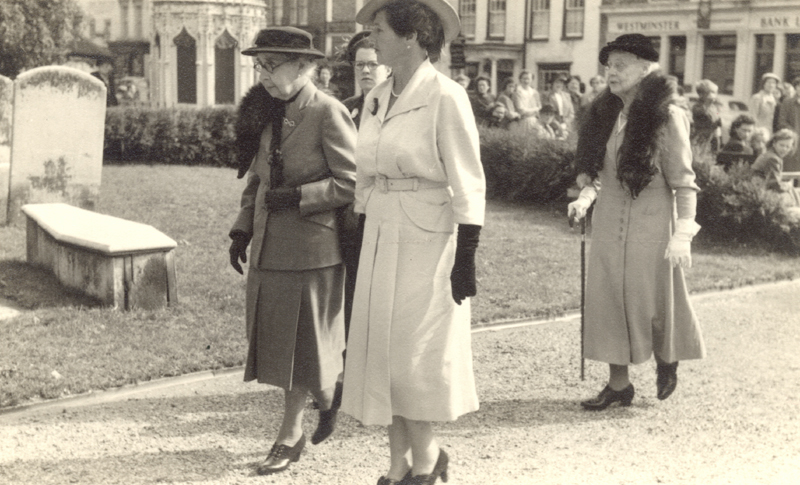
[{"x": 732, "y": 420}]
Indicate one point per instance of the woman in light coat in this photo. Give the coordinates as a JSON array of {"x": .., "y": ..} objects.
[
  {"x": 764, "y": 102},
  {"x": 635, "y": 159},
  {"x": 421, "y": 188},
  {"x": 296, "y": 147}
]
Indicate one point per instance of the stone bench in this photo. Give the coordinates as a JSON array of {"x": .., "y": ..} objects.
[{"x": 123, "y": 263}]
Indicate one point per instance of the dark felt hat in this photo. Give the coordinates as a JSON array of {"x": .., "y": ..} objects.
[
  {"x": 350, "y": 51},
  {"x": 636, "y": 44},
  {"x": 285, "y": 40}
]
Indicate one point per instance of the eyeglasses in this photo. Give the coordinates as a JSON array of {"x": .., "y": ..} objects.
[
  {"x": 268, "y": 67},
  {"x": 371, "y": 65}
]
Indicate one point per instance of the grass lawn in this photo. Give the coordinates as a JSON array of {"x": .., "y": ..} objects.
[{"x": 528, "y": 266}]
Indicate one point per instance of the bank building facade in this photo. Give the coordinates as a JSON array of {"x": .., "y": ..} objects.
[{"x": 732, "y": 43}]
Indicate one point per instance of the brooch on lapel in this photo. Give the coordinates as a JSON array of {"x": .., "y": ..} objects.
[
  {"x": 354, "y": 113},
  {"x": 374, "y": 109},
  {"x": 289, "y": 122}
]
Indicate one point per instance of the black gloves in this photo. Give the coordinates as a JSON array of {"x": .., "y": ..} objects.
[
  {"x": 282, "y": 198},
  {"x": 238, "y": 249},
  {"x": 462, "y": 278}
]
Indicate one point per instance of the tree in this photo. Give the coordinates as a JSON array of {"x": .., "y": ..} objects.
[{"x": 36, "y": 33}]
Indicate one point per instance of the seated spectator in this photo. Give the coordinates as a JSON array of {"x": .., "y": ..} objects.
[
  {"x": 738, "y": 147},
  {"x": 547, "y": 127},
  {"x": 769, "y": 165},
  {"x": 482, "y": 100},
  {"x": 758, "y": 142},
  {"x": 497, "y": 117},
  {"x": 507, "y": 98}
]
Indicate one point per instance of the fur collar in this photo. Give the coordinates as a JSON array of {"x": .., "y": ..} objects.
[
  {"x": 254, "y": 115},
  {"x": 648, "y": 113}
]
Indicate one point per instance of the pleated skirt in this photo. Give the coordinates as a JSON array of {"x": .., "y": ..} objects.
[
  {"x": 409, "y": 350},
  {"x": 295, "y": 327}
]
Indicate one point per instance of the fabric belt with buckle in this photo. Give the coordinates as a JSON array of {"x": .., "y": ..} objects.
[{"x": 385, "y": 184}]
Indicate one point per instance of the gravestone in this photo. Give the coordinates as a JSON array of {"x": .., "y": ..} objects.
[
  {"x": 56, "y": 138},
  {"x": 6, "y": 96}
]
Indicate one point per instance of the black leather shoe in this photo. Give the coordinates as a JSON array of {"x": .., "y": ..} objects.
[
  {"x": 392, "y": 481},
  {"x": 609, "y": 396},
  {"x": 281, "y": 456},
  {"x": 666, "y": 379},
  {"x": 325, "y": 426},
  {"x": 439, "y": 470}
]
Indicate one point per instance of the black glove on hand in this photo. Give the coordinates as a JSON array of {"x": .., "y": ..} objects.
[
  {"x": 462, "y": 278},
  {"x": 282, "y": 198},
  {"x": 238, "y": 249}
]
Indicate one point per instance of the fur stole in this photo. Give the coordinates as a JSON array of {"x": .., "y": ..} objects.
[
  {"x": 649, "y": 112},
  {"x": 255, "y": 113}
]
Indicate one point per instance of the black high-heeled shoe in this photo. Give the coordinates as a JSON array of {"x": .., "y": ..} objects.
[
  {"x": 325, "y": 426},
  {"x": 439, "y": 470},
  {"x": 281, "y": 456},
  {"x": 666, "y": 379},
  {"x": 609, "y": 396},
  {"x": 392, "y": 481}
]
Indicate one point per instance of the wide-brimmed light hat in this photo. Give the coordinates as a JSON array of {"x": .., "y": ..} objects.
[
  {"x": 636, "y": 44},
  {"x": 285, "y": 40},
  {"x": 770, "y": 75},
  {"x": 446, "y": 12}
]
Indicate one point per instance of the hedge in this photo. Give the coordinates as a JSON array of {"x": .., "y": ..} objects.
[
  {"x": 171, "y": 136},
  {"x": 732, "y": 207}
]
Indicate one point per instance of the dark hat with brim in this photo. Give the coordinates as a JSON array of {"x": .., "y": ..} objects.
[
  {"x": 284, "y": 40},
  {"x": 350, "y": 51},
  {"x": 636, "y": 44},
  {"x": 447, "y": 15}
]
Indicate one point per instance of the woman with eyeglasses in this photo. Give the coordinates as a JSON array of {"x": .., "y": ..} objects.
[
  {"x": 366, "y": 70},
  {"x": 295, "y": 144}
]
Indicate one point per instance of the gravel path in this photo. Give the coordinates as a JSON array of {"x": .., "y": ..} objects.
[{"x": 733, "y": 420}]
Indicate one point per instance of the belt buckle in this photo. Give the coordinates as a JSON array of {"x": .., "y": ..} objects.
[{"x": 382, "y": 183}]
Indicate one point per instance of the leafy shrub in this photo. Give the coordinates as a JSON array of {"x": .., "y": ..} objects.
[
  {"x": 522, "y": 167},
  {"x": 171, "y": 136},
  {"x": 737, "y": 207}
]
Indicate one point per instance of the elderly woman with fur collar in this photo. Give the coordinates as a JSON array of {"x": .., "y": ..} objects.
[
  {"x": 296, "y": 146},
  {"x": 635, "y": 159}
]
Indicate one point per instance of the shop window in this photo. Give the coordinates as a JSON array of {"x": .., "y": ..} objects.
[
  {"x": 224, "y": 75},
  {"x": 677, "y": 57},
  {"x": 505, "y": 70},
  {"x": 765, "y": 52},
  {"x": 719, "y": 61},
  {"x": 539, "y": 22},
  {"x": 124, "y": 14},
  {"x": 274, "y": 12},
  {"x": 792, "y": 57},
  {"x": 548, "y": 73},
  {"x": 573, "y": 18},
  {"x": 466, "y": 9},
  {"x": 497, "y": 19},
  {"x": 186, "y": 68},
  {"x": 137, "y": 20}
]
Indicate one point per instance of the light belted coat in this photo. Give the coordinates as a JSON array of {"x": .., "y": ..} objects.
[{"x": 409, "y": 348}]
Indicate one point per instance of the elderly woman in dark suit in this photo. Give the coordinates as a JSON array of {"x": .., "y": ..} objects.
[{"x": 296, "y": 147}]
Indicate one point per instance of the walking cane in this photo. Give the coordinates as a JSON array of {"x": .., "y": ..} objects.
[{"x": 583, "y": 285}]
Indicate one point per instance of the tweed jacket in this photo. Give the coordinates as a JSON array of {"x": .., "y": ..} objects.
[{"x": 318, "y": 146}]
